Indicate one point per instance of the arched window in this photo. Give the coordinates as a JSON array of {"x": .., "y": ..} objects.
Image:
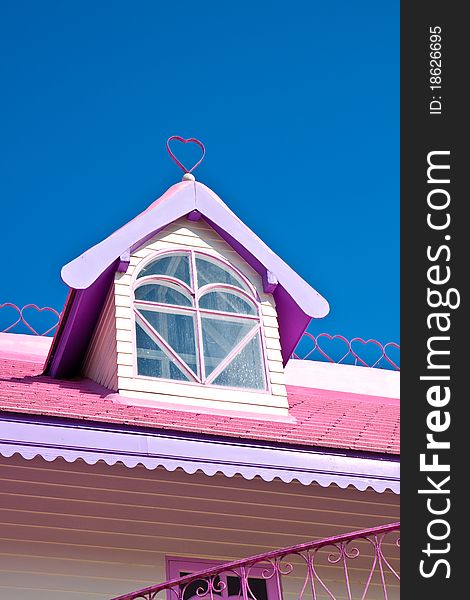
[{"x": 197, "y": 319}]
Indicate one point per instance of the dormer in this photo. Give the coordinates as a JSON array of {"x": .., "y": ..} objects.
[{"x": 185, "y": 307}]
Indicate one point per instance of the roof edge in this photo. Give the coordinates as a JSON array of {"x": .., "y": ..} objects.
[
  {"x": 193, "y": 453},
  {"x": 187, "y": 196}
]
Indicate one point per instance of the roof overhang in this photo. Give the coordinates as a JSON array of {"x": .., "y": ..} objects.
[
  {"x": 91, "y": 274},
  {"x": 52, "y": 438}
]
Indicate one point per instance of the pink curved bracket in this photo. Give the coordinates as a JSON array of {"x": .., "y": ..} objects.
[{"x": 185, "y": 141}]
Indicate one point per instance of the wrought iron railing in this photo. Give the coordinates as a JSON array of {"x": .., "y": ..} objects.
[
  {"x": 322, "y": 347},
  {"x": 362, "y": 565}
]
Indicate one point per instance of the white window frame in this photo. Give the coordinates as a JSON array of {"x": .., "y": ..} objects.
[{"x": 247, "y": 292}]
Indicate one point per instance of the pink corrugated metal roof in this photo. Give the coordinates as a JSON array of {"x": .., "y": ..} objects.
[{"x": 318, "y": 418}]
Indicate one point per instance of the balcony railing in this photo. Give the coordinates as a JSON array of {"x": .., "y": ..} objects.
[
  {"x": 322, "y": 347},
  {"x": 363, "y": 565}
]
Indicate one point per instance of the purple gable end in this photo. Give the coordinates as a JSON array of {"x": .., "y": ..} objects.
[
  {"x": 73, "y": 336},
  {"x": 292, "y": 322},
  {"x": 91, "y": 274}
]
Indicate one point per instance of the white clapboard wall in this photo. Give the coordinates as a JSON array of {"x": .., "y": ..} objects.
[{"x": 74, "y": 531}]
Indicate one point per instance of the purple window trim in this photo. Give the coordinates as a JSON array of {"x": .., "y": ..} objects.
[
  {"x": 197, "y": 292},
  {"x": 176, "y": 565}
]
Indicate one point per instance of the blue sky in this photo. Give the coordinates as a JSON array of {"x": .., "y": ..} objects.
[{"x": 297, "y": 104}]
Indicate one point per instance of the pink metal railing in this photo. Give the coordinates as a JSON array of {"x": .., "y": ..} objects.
[
  {"x": 18, "y": 318},
  {"x": 357, "y": 351},
  {"x": 362, "y": 565},
  {"x": 360, "y": 352}
]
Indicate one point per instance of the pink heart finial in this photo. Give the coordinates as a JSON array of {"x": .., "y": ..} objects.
[{"x": 185, "y": 141}]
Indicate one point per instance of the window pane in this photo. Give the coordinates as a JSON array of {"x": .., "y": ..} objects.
[
  {"x": 227, "y": 302},
  {"x": 178, "y": 332},
  {"x": 246, "y": 369},
  {"x": 153, "y": 292},
  {"x": 219, "y": 338},
  {"x": 256, "y": 588},
  {"x": 173, "y": 265},
  {"x": 208, "y": 272},
  {"x": 152, "y": 361}
]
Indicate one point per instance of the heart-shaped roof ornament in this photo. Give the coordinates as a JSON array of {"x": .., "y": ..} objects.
[{"x": 187, "y": 172}]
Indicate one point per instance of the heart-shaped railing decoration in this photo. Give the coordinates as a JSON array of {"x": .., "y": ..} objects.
[
  {"x": 324, "y": 344},
  {"x": 20, "y": 318},
  {"x": 387, "y": 357},
  {"x": 185, "y": 141},
  {"x": 358, "y": 360},
  {"x": 16, "y": 310}
]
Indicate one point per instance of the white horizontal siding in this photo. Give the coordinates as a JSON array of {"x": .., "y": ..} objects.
[
  {"x": 71, "y": 530},
  {"x": 100, "y": 362}
]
